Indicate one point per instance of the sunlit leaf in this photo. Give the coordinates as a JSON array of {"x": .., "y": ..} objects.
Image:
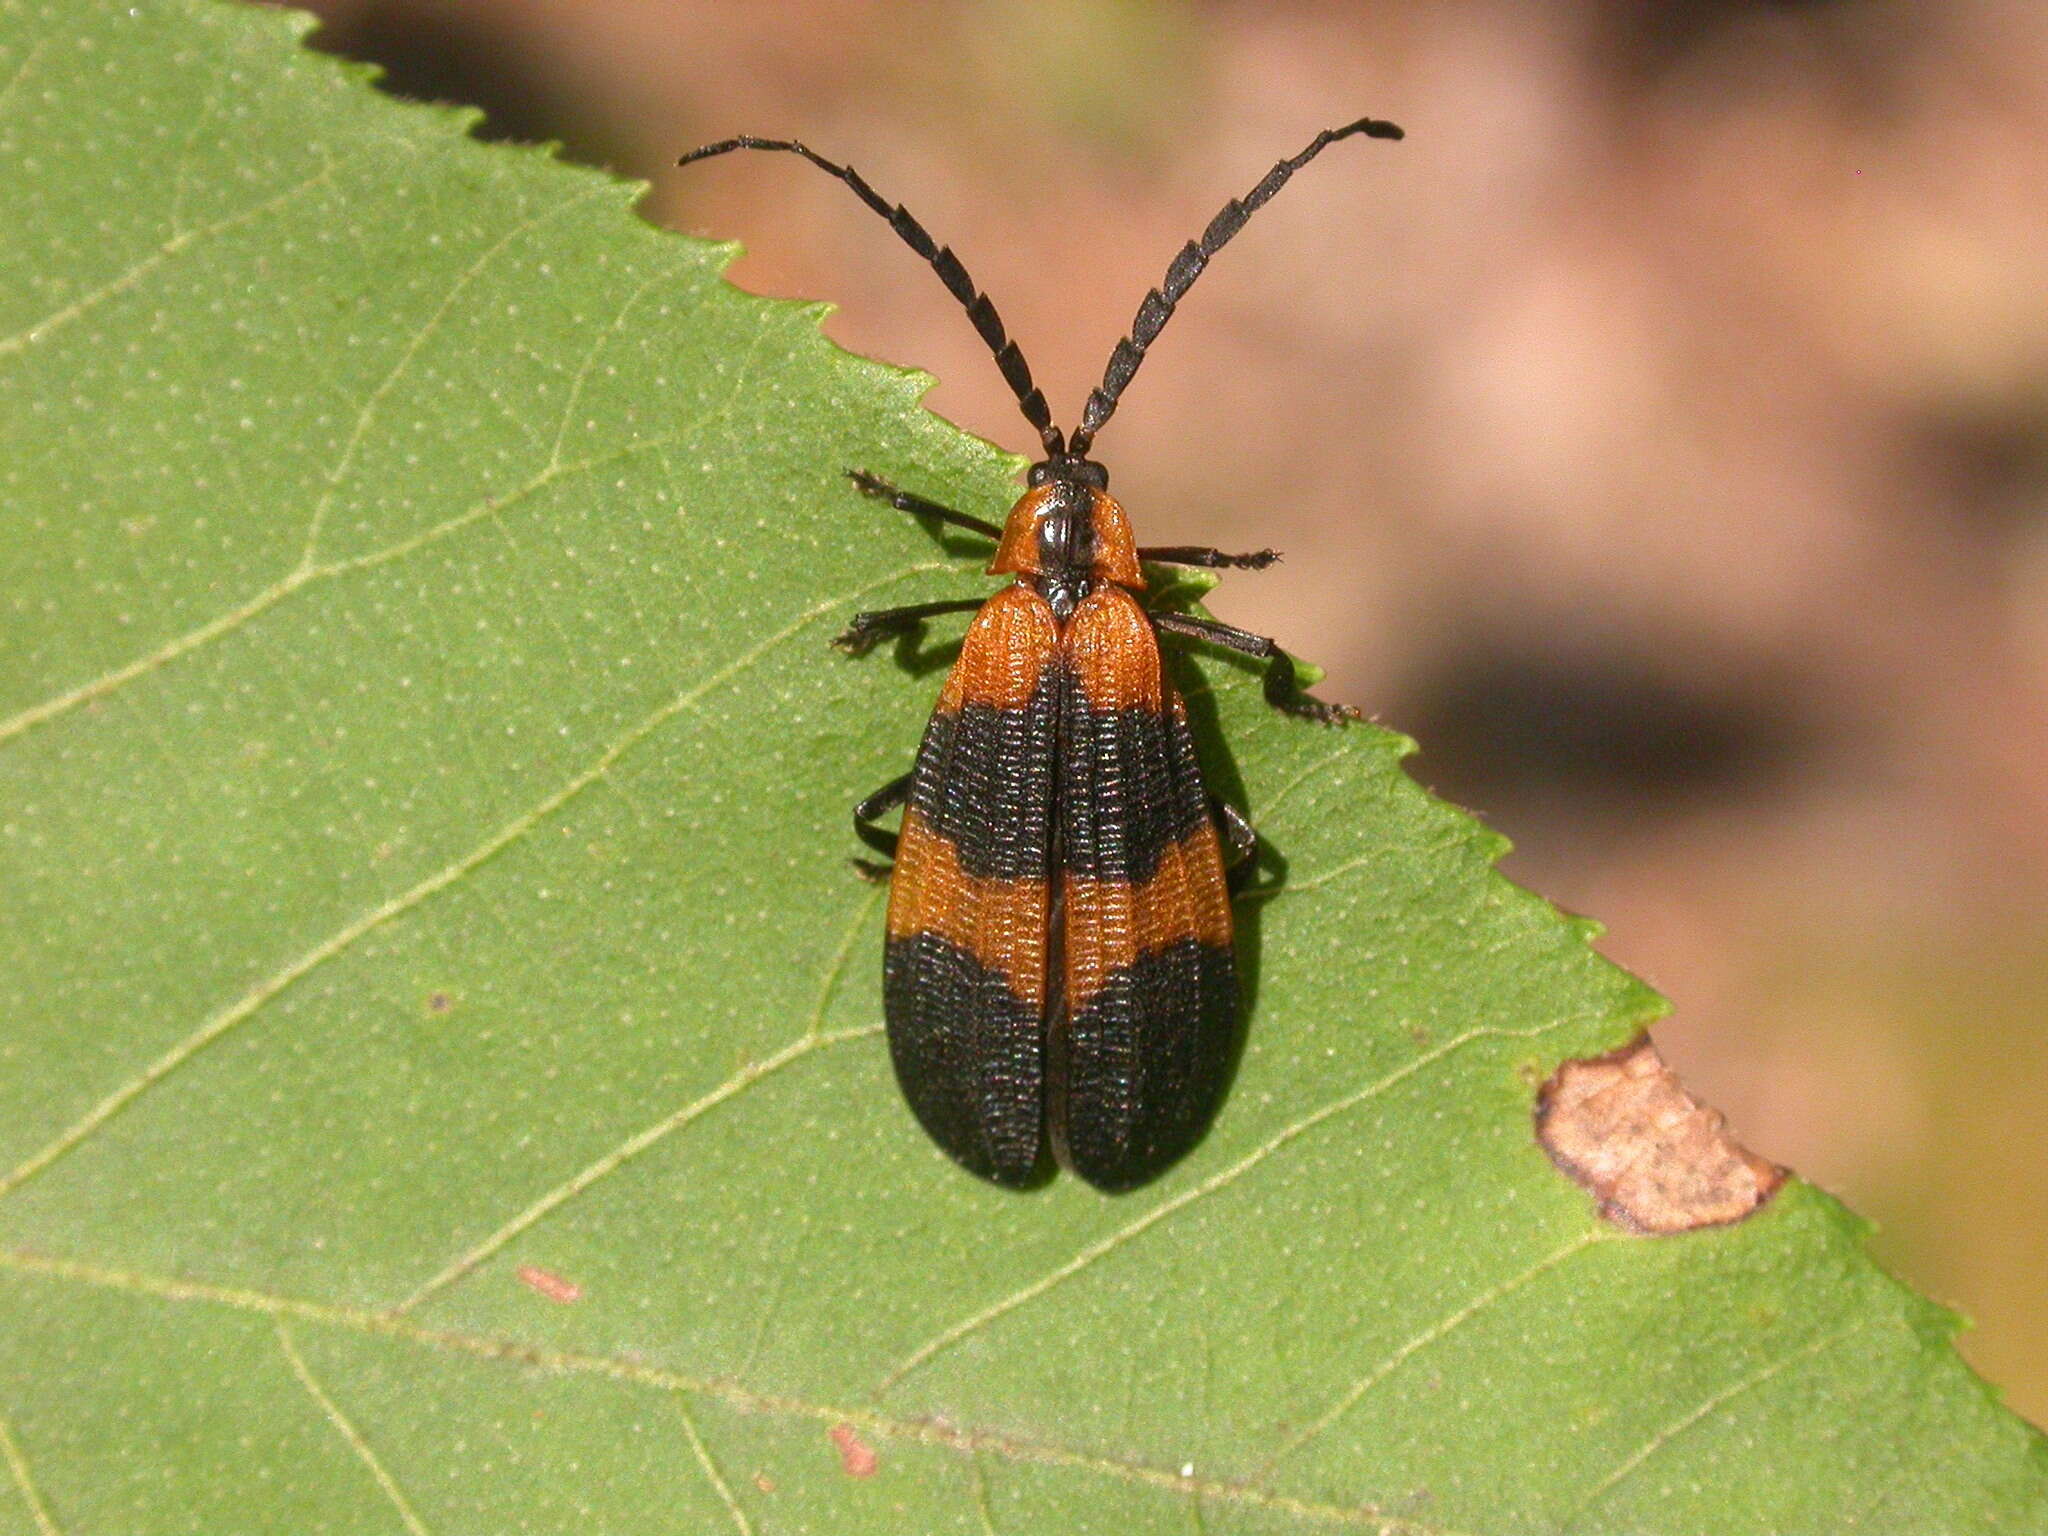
[{"x": 440, "y": 1075}]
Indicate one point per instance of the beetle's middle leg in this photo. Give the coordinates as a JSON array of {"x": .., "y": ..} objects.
[
  {"x": 1283, "y": 688},
  {"x": 892, "y": 794}
]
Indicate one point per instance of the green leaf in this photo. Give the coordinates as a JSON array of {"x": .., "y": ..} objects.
[{"x": 440, "y": 1079}]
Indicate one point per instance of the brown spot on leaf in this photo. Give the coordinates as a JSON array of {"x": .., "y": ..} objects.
[
  {"x": 856, "y": 1458},
  {"x": 548, "y": 1283},
  {"x": 439, "y": 1002},
  {"x": 764, "y": 1482},
  {"x": 1657, "y": 1160}
]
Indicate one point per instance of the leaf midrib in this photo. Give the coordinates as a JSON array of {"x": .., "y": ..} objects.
[{"x": 367, "y": 1323}]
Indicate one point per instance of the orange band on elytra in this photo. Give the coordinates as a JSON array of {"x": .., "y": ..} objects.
[
  {"x": 1003, "y": 659},
  {"x": 1110, "y": 923},
  {"x": 1111, "y": 650},
  {"x": 1002, "y": 923}
]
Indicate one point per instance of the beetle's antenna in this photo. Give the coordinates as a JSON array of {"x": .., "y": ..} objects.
[
  {"x": 1016, "y": 372},
  {"x": 1187, "y": 266}
]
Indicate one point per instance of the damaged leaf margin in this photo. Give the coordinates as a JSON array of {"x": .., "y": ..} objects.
[{"x": 1656, "y": 1160}]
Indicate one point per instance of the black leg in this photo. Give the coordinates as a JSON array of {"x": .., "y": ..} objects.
[
  {"x": 1283, "y": 689},
  {"x": 1239, "y": 836},
  {"x": 1201, "y": 554},
  {"x": 880, "y": 803},
  {"x": 865, "y": 629},
  {"x": 903, "y": 501},
  {"x": 1240, "y": 842}
]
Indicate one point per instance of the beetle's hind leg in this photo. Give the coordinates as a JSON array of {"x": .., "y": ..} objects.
[
  {"x": 892, "y": 794},
  {"x": 1283, "y": 688},
  {"x": 863, "y": 630},
  {"x": 1240, "y": 843},
  {"x": 919, "y": 506}
]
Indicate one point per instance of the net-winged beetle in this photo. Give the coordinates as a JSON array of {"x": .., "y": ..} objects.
[{"x": 1058, "y": 970}]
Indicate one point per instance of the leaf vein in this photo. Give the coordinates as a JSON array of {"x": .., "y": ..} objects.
[
  {"x": 169, "y": 651},
  {"x": 597, "y": 348},
  {"x": 367, "y": 413},
  {"x": 28, "y": 62},
  {"x": 811, "y": 1039},
  {"x": 1630, "y": 1464},
  {"x": 981, "y": 1504},
  {"x": 1315, "y": 882},
  {"x": 1103, "y": 1247},
  {"x": 345, "y": 1427},
  {"x": 641, "y": 1141},
  {"x": 828, "y": 984},
  {"x": 24, "y": 1481},
  {"x": 711, "y": 1472},
  {"x": 343, "y": 938},
  {"x": 302, "y": 576},
  {"x": 1279, "y": 797},
  {"x": 939, "y": 1434},
  {"x": 181, "y": 172},
  {"x": 114, "y": 287},
  {"x": 1449, "y": 1323}
]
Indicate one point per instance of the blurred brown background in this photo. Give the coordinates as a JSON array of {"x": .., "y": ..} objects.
[{"x": 1660, "y": 434}]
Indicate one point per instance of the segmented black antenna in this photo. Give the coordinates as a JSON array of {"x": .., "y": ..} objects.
[
  {"x": 1016, "y": 372},
  {"x": 1186, "y": 267}
]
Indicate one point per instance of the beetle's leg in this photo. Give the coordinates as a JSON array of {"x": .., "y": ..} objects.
[
  {"x": 1240, "y": 842},
  {"x": 1202, "y": 554},
  {"x": 1283, "y": 689},
  {"x": 864, "y": 629},
  {"x": 880, "y": 803},
  {"x": 1239, "y": 836},
  {"x": 903, "y": 501}
]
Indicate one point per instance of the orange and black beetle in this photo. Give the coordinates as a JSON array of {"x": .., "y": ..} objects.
[{"x": 1059, "y": 972}]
